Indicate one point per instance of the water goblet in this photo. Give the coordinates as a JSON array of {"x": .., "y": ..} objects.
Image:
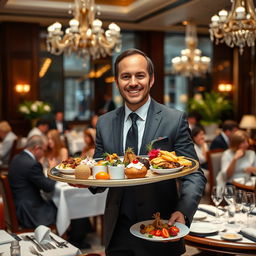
[
  {"x": 239, "y": 202},
  {"x": 248, "y": 204},
  {"x": 217, "y": 197},
  {"x": 229, "y": 196}
]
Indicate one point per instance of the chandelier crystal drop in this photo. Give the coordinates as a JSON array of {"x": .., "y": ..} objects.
[
  {"x": 191, "y": 63},
  {"x": 85, "y": 35},
  {"x": 237, "y": 27}
]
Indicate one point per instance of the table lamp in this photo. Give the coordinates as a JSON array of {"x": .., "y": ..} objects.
[{"x": 248, "y": 122}]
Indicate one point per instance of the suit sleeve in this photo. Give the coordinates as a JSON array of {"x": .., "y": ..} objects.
[
  {"x": 192, "y": 185},
  {"x": 37, "y": 177}
]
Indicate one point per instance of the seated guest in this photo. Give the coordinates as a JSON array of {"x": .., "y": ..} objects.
[
  {"x": 237, "y": 161},
  {"x": 56, "y": 151},
  {"x": 89, "y": 139},
  {"x": 42, "y": 127},
  {"x": 222, "y": 140},
  {"x": 193, "y": 119},
  {"x": 58, "y": 123},
  {"x": 201, "y": 147},
  {"x": 27, "y": 181},
  {"x": 7, "y": 138}
]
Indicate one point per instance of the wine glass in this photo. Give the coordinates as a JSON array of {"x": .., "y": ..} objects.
[
  {"x": 217, "y": 197},
  {"x": 239, "y": 194},
  {"x": 229, "y": 196},
  {"x": 248, "y": 204}
]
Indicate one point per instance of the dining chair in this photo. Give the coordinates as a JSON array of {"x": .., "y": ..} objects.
[
  {"x": 10, "y": 219},
  {"x": 214, "y": 164}
]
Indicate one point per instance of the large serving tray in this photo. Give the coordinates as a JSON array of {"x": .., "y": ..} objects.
[{"x": 150, "y": 177}]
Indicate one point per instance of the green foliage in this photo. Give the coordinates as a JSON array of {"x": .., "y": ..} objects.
[{"x": 210, "y": 107}]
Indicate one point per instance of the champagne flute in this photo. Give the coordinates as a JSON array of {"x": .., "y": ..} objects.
[
  {"x": 217, "y": 197},
  {"x": 248, "y": 204}
]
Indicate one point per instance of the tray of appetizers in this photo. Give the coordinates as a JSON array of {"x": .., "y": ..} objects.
[{"x": 128, "y": 170}]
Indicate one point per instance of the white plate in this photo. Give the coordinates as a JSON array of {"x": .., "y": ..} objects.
[
  {"x": 199, "y": 215},
  {"x": 166, "y": 171},
  {"x": 203, "y": 228},
  {"x": 231, "y": 236},
  {"x": 66, "y": 171},
  {"x": 135, "y": 230}
]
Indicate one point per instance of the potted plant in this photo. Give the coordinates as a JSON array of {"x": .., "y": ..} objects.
[{"x": 211, "y": 107}]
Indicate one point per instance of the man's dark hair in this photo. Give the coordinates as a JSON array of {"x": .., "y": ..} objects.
[
  {"x": 42, "y": 122},
  {"x": 129, "y": 52},
  {"x": 229, "y": 125}
]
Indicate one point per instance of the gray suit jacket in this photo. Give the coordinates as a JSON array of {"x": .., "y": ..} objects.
[{"x": 161, "y": 196}]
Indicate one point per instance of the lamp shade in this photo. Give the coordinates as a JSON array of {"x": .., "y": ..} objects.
[{"x": 248, "y": 122}]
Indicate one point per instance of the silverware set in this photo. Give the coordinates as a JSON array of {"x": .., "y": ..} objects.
[{"x": 37, "y": 249}]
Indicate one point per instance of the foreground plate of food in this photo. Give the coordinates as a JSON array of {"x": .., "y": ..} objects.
[
  {"x": 166, "y": 171},
  {"x": 231, "y": 236},
  {"x": 183, "y": 230}
]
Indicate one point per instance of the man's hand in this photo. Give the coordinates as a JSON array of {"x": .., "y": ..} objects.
[{"x": 176, "y": 216}]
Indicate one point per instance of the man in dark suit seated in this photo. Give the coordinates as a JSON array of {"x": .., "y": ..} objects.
[
  {"x": 221, "y": 141},
  {"x": 146, "y": 120},
  {"x": 27, "y": 180},
  {"x": 59, "y": 123}
]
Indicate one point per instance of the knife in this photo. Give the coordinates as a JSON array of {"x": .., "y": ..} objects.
[{"x": 39, "y": 248}]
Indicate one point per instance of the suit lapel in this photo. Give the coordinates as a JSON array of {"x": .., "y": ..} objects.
[
  {"x": 154, "y": 117},
  {"x": 117, "y": 132}
]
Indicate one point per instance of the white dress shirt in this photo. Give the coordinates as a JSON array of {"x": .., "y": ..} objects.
[{"x": 142, "y": 113}]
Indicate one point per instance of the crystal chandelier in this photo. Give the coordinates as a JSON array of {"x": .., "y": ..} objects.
[
  {"x": 191, "y": 63},
  {"x": 85, "y": 35},
  {"x": 236, "y": 28}
]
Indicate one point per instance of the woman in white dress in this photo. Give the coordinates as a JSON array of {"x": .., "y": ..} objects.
[{"x": 237, "y": 161}]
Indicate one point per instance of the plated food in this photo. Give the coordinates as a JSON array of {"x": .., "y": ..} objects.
[
  {"x": 158, "y": 230},
  {"x": 231, "y": 236}
]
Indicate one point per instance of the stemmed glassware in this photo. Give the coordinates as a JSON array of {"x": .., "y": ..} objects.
[
  {"x": 248, "y": 204},
  {"x": 239, "y": 194},
  {"x": 229, "y": 196},
  {"x": 217, "y": 197}
]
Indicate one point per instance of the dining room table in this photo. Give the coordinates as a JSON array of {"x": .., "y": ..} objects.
[
  {"x": 57, "y": 246},
  {"x": 75, "y": 203},
  {"x": 222, "y": 238},
  {"x": 247, "y": 184}
]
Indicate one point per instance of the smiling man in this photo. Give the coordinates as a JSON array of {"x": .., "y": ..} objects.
[{"x": 140, "y": 121}]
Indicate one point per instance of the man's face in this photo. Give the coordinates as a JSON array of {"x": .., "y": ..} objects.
[
  {"x": 39, "y": 151},
  {"x": 44, "y": 128},
  {"x": 133, "y": 81},
  {"x": 59, "y": 116}
]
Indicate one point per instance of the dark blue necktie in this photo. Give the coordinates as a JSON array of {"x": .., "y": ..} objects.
[{"x": 132, "y": 135}]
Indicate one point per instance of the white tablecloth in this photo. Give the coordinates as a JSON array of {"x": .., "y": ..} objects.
[
  {"x": 24, "y": 246},
  {"x": 75, "y": 142},
  {"x": 240, "y": 223},
  {"x": 74, "y": 203}
]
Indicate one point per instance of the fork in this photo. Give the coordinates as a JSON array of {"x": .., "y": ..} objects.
[
  {"x": 57, "y": 243},
  {"x": 28, "y": 238},
  {"x": 33, "y": 250}
]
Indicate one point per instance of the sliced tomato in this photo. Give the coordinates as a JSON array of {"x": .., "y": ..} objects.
[
  {"x": 173, "y": 231},
  {"x": 165, "y": 233},
  {"x": 152, "y": 232},
  {"x": 158, "y": 232}
]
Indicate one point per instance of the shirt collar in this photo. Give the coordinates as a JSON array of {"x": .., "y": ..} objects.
[
  {"x": 225, "y": 137},
  {"x": 29, "y": 153},
  {"x": 141, "y": 112}
]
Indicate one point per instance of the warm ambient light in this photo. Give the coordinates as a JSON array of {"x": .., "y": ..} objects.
[
  {"x": 225, "y": 87},
  {"x": 237, "y": 27},
  {"x": 85, "y": 35},
  {"x": 46, "y": 64},
  {"x": 248, "y": 122},
  {"x": 22, "y": 88}
]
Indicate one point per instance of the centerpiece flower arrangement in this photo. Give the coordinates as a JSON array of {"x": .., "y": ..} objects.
[{"x": 33, "y": 110}]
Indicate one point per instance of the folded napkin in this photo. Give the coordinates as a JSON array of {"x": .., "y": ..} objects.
[
  {"x": 42, "y": 234},
  {"x": 5, "y": 237},
  {"x": 210, "y": 209},
  {"x": 249, "y": 233}
]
